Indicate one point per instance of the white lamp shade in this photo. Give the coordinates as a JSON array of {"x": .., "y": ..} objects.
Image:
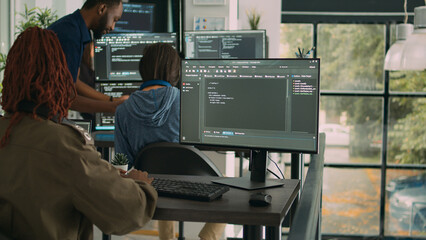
[
  {"x": 394, "y": 54},
  {"x": 414, "y": 51}
]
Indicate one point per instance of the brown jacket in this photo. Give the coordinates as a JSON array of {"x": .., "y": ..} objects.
[{"x": 54, "y": 185}]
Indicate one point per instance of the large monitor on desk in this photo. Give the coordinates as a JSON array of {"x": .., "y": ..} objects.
[
  {"x": 117, "y": 55},
  {"x": 239, "y": 44},
  {"x": 260, "y": 105}
]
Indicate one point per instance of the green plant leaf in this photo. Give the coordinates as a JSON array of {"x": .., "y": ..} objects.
[
  {"x": 3, "y": 58},
  {"x": 46, "y": 17},
  {"x": 120, "y": 159},
  {"x": 32, "y": 17},
  {"x": 36, "y": 16},
  {"x": 253, "y": 18}
]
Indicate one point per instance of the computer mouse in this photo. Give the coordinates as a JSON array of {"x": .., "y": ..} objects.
[{"x": 260, "y": 199}]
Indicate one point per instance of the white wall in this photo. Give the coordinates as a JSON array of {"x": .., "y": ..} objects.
[
  {"x": 66, "y": 7},
  {"x": 4, "y": 26},
  {"x": 229, "y": 10}
]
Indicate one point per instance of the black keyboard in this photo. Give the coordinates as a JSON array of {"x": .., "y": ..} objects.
[{"x": 188, "y": 190}]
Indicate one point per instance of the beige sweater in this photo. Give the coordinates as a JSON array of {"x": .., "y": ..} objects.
[{"x": 54, "y": 185}]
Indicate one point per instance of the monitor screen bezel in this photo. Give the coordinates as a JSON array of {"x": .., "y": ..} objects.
[{"x": 245, "y": 148}]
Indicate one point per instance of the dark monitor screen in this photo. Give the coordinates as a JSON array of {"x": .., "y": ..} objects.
[
  {"x": 267, "y": 104},
  {"x": 117, "y": 55},
  {"x": 105, "y": 121},
  {"x": 241, "y": 44},
  {"x": 136, "y": 17}
]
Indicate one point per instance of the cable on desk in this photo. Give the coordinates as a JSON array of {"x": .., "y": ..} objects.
[{"x": 276, "y": 165}]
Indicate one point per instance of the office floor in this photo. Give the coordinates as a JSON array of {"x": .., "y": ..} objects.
[{"x": 190, "y": 232}]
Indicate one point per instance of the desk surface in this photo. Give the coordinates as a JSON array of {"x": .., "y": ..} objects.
[{"x": 232, "y": 207}]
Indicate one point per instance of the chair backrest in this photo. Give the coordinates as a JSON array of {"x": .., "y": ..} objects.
[{"x": 174, "y": 158}]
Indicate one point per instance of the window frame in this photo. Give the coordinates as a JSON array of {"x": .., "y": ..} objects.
[{"x": 387, "y": 19}]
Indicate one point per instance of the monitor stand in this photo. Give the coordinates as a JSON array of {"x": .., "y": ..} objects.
[{"x": 257, "y": 180}]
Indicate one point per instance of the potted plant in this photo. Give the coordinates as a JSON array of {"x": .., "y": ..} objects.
[
  {"x": 120, "y": 161},
  {"x": 253, "y": 18},
  {"x": 40, "y": 17}
]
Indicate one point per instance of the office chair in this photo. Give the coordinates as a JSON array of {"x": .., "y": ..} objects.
[
  {"x": 174, "y": 158},
  {"x": 177, "y": 159}
]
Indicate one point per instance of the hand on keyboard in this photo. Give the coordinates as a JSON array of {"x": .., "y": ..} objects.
[{"x": 137, "y": 175}]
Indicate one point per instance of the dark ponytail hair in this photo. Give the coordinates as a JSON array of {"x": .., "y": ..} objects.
[{"x": 160, "y": 61}]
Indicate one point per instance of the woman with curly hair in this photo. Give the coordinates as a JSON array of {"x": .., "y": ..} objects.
[{"x": 53, "y": 183}]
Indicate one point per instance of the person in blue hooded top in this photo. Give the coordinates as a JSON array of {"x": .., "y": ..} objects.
[{"x": 152, "y": 114}]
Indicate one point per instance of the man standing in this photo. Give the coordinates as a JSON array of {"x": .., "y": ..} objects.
[{"x": 73, "y": 32}]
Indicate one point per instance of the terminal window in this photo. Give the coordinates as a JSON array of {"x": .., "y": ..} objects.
[
  {"x": 136, "y": 17},
  {"x": 117, "y": 55},
  {"x": 239, "y": 98},
  {"x": 225, "y": 44}
]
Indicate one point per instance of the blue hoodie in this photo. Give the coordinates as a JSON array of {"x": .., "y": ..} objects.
[{"x": 147, "y": 117}]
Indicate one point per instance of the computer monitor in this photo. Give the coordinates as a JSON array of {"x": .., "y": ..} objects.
[
  {"x": 105, "y": 121},
  {"x": 136, "y": 17},
  {"x": 241, "y": 44},
  {"x": 117, "y": 55},
  {"x": 259, "y": 104}
]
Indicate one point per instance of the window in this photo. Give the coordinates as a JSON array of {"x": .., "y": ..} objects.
[
  {"x": 353, "y": 129},
  {"x": 375, "y": 128},
  {"x": 352, "y": 56},
  {"x": 294, "y": 36}
]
